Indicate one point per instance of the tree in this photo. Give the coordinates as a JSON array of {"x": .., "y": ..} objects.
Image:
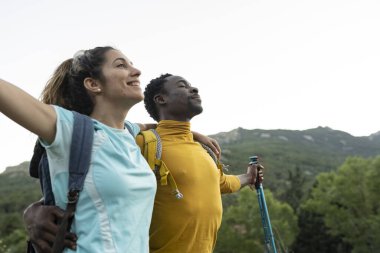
[
  {"x": 313, "y": 236},
  {"x": 348, "y": 200},
  {"x": 18, "y": 190},
  {"x": 242, "y": 231},
  {"x": 294, "y": 193}
]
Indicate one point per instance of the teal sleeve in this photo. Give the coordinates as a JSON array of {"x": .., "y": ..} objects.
[{"x": 135, "y": 128}]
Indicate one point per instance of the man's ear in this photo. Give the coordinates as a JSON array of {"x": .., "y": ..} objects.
[
  {"x": 159, "y": 99},
  {"x": 92, "y": 85}
]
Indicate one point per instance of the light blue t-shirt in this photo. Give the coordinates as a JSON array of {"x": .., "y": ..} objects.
[{"x": 115, "y": 207}]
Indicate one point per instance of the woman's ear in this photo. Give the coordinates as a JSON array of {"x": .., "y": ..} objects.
[{"x": 92, "y": 85}]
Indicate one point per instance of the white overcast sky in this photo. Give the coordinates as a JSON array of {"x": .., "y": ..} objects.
[{"x": 268, "y": 64}]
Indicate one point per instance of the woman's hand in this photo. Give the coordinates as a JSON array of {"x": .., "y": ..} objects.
[{"x": 210, "y": 142}]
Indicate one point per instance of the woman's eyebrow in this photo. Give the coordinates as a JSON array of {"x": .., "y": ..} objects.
[{"x": 121, "y": 59}]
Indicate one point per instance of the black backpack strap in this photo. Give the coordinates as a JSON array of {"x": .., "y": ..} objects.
[
  {"x": 35, "y": 161},
  {"x": 39, "y": 168},
  {"x": 45, "y": 181},
  {"x": 80, "y": 157}
]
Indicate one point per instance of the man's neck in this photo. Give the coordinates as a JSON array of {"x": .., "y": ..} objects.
[{"x": 182, "y": 117}]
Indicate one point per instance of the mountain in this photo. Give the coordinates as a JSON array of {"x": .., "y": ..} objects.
[
  {"x": 313, "y": 151},
  {"x": 375, "y": 136},
  {"x": 17, "y": 189}
]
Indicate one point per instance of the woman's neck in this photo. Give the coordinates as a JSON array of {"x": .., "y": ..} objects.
[{"x": 112, "y": 117}]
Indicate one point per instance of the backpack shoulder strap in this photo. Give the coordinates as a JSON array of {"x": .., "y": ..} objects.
[
  {"x": 79, "y": 163},
  {"x": 150, "y": 144},
  {"x": 213, "y": 156},
  {"x": 80, "y": 150},
  {"x": 210, "y": 152}
]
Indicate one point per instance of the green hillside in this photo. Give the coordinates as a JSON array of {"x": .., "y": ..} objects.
[
  {"x": 17, "y": 189},
  {"x": 292, "y": 160},
  {"x": 282, "y": 151}
]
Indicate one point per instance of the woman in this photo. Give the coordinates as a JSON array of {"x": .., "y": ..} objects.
[{"x": 114, "y": 210}]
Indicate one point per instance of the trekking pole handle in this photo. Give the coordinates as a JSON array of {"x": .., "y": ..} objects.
[{"x": 254, "y": 160}]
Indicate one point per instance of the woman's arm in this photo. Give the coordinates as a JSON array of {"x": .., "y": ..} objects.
[
  {"x": 210, "y": 142},
  {"x": 27, "y": 111}
]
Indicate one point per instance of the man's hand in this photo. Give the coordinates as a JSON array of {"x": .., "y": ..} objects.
[
  {"x": 41, "y": 225},
  {"x": 259, "y": 174},
  {"x": 255, "y": 174}
]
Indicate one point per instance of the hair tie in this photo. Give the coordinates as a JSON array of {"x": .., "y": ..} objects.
[
  {"x": 79, "y": 54},
  {"x": 76, "y": 58}
]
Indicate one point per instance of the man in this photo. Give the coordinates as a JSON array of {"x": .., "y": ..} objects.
[
  {"x": 184, "y": 225},
  {"x": 189, "y": 224}
]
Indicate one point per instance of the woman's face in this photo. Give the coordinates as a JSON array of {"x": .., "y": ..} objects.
[{"x": 121, "y": 79}]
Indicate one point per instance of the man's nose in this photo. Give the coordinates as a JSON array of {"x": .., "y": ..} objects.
[{"x": 194, "y": 90}]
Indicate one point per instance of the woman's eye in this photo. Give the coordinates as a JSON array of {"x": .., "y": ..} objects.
[{"x": 122, "y": 65}]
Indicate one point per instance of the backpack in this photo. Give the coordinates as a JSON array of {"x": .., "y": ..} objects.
[
  {"x": 80, "y": 156},
  {"x": 150, "y": 144}
]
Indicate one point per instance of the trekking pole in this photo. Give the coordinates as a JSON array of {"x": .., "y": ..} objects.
[{"x": 268, "y": 233}]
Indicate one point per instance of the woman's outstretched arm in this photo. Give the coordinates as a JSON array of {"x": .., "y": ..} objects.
[{"x": 27, "y": 111}]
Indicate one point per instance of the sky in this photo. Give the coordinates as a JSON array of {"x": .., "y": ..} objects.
[{"x": 258, "y": 64}]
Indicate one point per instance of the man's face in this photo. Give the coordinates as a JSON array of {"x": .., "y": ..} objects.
[{"x": 182, "y": 100}]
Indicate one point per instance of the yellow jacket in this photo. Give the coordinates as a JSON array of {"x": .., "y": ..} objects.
[{"x": 189, "y": 224}]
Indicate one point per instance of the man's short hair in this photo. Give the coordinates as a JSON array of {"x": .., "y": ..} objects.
[{"x": 152, "y": 89}]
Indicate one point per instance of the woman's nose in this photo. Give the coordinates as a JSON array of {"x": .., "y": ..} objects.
[{"x": 135, "y": 71}]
